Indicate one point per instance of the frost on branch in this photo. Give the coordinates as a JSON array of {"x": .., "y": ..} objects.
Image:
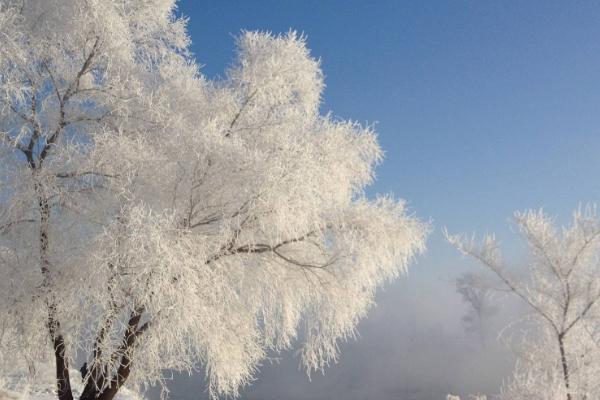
[
  {"x": 558, "y": 355},
  {"x": 152, "y": 219}
]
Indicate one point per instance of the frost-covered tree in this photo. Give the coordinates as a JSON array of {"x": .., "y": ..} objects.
[
  {"x": 559, "y": 357},
  {"x": 152, "y": 219},
  {"x": 477, "y": 293}
]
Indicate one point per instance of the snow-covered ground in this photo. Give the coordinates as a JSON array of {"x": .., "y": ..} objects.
[{"x": 14, "y": 387}]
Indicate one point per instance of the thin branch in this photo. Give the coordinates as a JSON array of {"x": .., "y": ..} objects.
[
  {"x": 587, "y": 308},
  {"x": 302, "y": 264},
  {"x": 586, "y": 243},
  {"x": 12, "y": 142},
  {"x": 239, "y": 113},
  {"x": 4, "y": 228},
  {"x": 259, "y": 248},
  {"x": 496, "y": 269},
  {"x": 84, "y": 173},
  {"x": 74, "y": 86},
  {"x": 54, "y": 83}
]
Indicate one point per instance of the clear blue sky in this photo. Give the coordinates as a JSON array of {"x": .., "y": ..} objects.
[{"x": 482, "y": 108}]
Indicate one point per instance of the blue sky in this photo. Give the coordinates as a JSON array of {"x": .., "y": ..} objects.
[{"x": 482, "y": 108}]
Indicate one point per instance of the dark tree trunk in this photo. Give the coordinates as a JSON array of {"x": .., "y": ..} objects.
[
  {"x": 108, "y": 392},
  {"x": 63, "y": 382},
  {"x": 565, "y": 365}
]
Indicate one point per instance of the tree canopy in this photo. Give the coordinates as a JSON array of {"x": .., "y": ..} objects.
[
  {"x": 558, "y": 353},
  {"x": 153, "y": 219}
]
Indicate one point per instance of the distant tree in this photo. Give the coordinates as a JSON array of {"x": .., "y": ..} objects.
[
  {"x": 560, "y": 357},
  {"x": 477, "y": 293},
  {"x": 152, "y": 219}
]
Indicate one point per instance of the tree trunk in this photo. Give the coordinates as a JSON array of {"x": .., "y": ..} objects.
[
  {"x": 565, "y": 365},
  {"x": 63, "y": 382},
  {"x": 133, "y": 330}
]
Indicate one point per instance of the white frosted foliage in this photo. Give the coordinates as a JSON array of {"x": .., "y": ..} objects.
[
  {"x": 152, "y": 219},
  {"x": 557, "y": 346}
]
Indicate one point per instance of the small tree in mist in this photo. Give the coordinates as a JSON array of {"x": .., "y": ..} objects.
[
  {"x": 477, "y": 293},
  {"x": 151, "y": 219},
  {"x": 560, "y": 355}
]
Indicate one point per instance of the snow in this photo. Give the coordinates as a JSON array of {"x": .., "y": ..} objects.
[{"x": 17, "y": 387}]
